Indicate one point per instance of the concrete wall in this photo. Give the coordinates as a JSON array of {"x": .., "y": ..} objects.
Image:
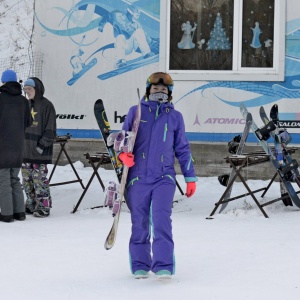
[{"x": 209, "y": 157}]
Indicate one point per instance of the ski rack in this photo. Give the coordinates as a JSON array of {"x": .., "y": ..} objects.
[
  {"x": 101, "y": 158},
  {"x": 238, "y": 163},
  {"x": 62, "y": 141}
]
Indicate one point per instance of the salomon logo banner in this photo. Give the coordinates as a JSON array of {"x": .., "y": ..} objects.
[{"x": 289, "y": 124}]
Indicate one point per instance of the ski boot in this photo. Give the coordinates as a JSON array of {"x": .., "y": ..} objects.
[
  {"x": 126, "y": 144},
  {"x": 233, "y": 145},
  {"x": 121, "y": 140},
  {"x": 117, "y": 204},
  {"x": 110, "y": 195}
]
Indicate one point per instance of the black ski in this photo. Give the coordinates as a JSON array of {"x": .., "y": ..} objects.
[{"x": 104, "y": 127}]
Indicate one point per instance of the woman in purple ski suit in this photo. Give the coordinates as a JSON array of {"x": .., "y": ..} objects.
[{"x": 151, "y": 180}]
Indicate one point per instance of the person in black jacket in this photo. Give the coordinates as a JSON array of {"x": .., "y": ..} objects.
[
  {"x": 14, "y": 118},
  {"x": 39, "y": 139}
]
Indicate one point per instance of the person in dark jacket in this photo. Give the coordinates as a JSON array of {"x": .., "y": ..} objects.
[
  {"x": 151, "y": 179},
  {"x": 39, "y": 139},
  {"x": 14, "y": 118}
]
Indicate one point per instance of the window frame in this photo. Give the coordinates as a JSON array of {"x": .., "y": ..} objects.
[{"x": 238, "y": 73}]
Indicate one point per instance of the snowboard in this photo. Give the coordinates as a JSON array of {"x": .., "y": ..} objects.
[
  {"x": 87, "y": 67},
  {"x": 264, "y": 117},
  {"x": 282, "y": 137},
  {"x": 111, "y": 237},
  {"x": 238, "y": 152},
  {"x": 104, "y": 127},
  {"x": 280, "y": 171}
]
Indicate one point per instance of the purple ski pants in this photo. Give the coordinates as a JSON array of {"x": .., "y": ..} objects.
[{"x": 151, "y": 206}]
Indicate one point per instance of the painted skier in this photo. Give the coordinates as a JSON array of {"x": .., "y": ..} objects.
[
  {"x": 187, "y": 37},
  {"x": 129, "y": 34},
  {"x": 151, "y": 179}
]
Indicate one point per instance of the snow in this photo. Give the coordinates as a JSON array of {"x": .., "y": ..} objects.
[{"x": 239, "y": 254}]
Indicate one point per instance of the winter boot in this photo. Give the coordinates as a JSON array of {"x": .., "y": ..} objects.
[
  {"x": 41, "y": 213},
  {"x": 140, "y": 274},
  {"x": 20, "y": 216},
  {"x": 6, "y": 219},
  {"x": 163, "y": 274}
]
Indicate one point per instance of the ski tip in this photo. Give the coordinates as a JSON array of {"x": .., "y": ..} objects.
[
  {"x": 138, "y": 92},
  {"x": 107, "y": 246}
]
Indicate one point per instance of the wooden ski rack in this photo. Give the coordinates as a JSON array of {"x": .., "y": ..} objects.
[
  {"x": 95, "y": 160},
  {"x": 62, "y": 141},
  {"x": 238, "y": 163}
]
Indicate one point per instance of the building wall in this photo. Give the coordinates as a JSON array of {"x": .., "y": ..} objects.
[{"x": 78, "y": 40}]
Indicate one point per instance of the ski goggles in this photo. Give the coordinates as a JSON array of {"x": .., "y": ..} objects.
[{"x": 160, "y": 78}]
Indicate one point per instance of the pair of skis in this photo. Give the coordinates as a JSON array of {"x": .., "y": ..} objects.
[
  {"x": 282, "y": 166},
  {"x": 114, "y": 143},
  {"x": 285, "y": 166}
]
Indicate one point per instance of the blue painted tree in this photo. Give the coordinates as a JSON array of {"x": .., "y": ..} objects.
[{"x": 218, "y": 39}]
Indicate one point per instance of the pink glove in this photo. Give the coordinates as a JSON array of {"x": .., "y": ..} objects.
[
  {"x": 127, "y": 159},
  {"x": 190, "y": 189}
]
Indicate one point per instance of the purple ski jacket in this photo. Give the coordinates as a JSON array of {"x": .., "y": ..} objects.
[{"x": 160, "y": 138}]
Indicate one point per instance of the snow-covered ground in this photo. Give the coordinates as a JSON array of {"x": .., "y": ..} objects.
[{"x": 237, "y": 255}]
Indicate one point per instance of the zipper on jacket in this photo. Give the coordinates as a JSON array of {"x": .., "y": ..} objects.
[
  {"x": 165, "y": 132},
  {"x": 157, "y": 111},
  {"x": 131, "y": 182},
  {"x": 169, "y": 177}
]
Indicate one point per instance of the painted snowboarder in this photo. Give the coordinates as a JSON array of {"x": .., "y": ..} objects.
[
  {"x": 76, "y": 62},
  {"x": 151, "y": 179},
  {"x": 129, "y": 34}
]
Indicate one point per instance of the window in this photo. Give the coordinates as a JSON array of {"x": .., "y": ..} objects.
[{"x": 223, "y": 39}]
